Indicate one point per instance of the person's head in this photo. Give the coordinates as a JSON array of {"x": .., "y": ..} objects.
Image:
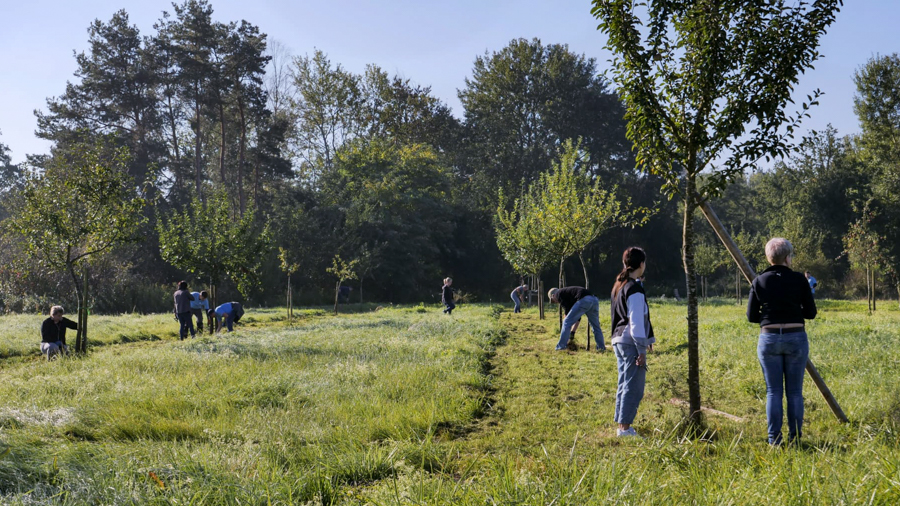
[
  {"x": 56, "y": 313},
  {"x": 779, "y": 251},
  {"x": 807, "y": 274},
  {"x": 525, "y": 287},
  {"x": 204, "y": 295},
  {"x": 448, "y": 281},
  {"x": 634, "y": 262},
  {"x": 552, "y": 295},
  {"x": 182, "y": 285}
]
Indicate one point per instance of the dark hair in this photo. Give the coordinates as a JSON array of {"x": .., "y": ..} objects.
[
  {"x": 631, "y": 261},
  {"x": 182, "y": 285},
  {"x": 204, "y": 294}
]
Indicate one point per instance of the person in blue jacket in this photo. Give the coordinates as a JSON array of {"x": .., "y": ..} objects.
[
  {"x": 227, "y": 314},
  {"x": 199, "y": 309}
]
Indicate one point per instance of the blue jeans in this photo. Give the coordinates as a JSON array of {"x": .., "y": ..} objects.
[
  {"x": 590, "y": 307},
  {"x": 631, "y": 382},
  {"x": 226, "y": 319},
  {"x": 449, "y": 307},
  {"x": 783, "y": 359},
  {"x": 187, "y": 324},
  {"x": 517, "y": 302}
]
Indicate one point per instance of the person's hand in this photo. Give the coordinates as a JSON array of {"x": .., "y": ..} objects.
[{"x": 641, "y": 360}]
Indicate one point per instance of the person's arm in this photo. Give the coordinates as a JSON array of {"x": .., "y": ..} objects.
[
  {"x": 637, "y": 317},
  {"x": 753, "y": 307},
  {"x": 808, "y": 305},
  {"x": 70, "y": 324}
]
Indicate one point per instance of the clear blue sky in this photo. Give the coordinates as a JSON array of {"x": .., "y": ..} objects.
[{"x": 433, "y": 43}]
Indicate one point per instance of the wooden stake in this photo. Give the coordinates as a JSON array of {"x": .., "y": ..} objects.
[{"x": 748, "y": 272}]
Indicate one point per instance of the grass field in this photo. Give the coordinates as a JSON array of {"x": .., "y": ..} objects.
[{"x": 412, "y": 407}]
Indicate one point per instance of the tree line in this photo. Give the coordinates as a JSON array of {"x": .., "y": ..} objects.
[{"x": 226, "y": 158}]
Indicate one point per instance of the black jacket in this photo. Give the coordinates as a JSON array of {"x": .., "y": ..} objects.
[
  {"x": 52, "y": 332},
  {"x": 569, "y": 295},
  {"x": 780, "y": 295}
]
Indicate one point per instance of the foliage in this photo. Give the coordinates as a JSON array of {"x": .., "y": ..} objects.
[
  {"x": 82, "y": 204},
  {"x": 208, "y": 242}
]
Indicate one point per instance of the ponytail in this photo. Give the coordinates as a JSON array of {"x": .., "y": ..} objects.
[{"x": 632, "y": 259}]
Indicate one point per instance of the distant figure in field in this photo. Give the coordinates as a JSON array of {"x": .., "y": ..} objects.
[
  {"x": 53, "y": 333},
  {"x": 447, "y": 296},
  {"x": 780, "y": 300},
  {"x": 632, "y": 337},
  {"x": 183, "y": 300},
  {"x": 199, "y": 308},
  {"x": 517, "y": 294},
  {"x": 344, "y": 294},
  {"x": 227, "y": 314},
  {"x": 812, "y": 282},
  {"x": 576, "y": 302}
]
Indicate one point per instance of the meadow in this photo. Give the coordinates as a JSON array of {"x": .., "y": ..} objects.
[{"x": 407, "y": 406}]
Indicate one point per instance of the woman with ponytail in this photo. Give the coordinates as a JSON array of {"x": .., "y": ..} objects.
[{"x": 632, "y": 337}]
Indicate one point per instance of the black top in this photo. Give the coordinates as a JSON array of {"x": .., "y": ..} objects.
[
  {"x": 52, "y": 332},
  {"x": 619, "y": 308},
  {"x": 238, "y": 310},
  {"x": 446, "y": 294},
  {"x": 183, "y": 300},
  {"x": 569, "y": 295},
  {"x": 780, "y": 295}
]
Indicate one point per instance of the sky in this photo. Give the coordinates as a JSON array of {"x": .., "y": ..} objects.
[{"x": 429, "y": 42}]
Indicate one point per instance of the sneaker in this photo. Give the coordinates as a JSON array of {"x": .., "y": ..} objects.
[{"x": 627, "y": 432}]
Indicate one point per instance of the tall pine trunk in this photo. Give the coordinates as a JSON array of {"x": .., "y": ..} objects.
[
  {"x": 197, "y": 170},
  {"x": 240, "y": 168},
  {"x": 690, "y": 271}
]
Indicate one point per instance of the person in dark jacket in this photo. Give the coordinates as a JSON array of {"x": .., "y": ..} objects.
[
  {"x": 183, "y": 299},
  {"x": 53, "y": 333},
  {"x": 632, "y": 337},
  {"x": 576, "y": 302},
  {"x": 780, "y": 301},
  {"x": 447, "y": 296}
]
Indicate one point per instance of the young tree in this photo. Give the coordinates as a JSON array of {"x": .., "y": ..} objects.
[
  {"x": 705, "y": 85},
  {"x": 209, "y": 242},
  {"x": 83, "y": 204},
  {"x": 343, "y": 271}
]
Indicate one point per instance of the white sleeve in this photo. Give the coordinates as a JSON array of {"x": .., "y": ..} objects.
[{"x": 637, "y": 315}]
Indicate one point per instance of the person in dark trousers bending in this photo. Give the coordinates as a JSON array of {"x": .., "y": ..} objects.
[
  {"x": 183, "y": 300},
  {"x": 447, "y": 296},
  {"x": 199, "y": 308},
  {"x": 576, "y": 302},
  {"x": 227, "y": 314},
  {"x": 53, "y": 333},
  {"x": 780, "y": 301},
  {"x": 632, "y": 337},
  {"x": 517, "y": 294}
]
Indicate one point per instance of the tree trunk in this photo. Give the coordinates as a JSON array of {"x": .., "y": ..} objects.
[
  {"x": 360, "y": 289},
  {"x": 690, "y": 271},
  {"x": 868, "y": 290},
  {"x": 222, "y": 142},
  {"x": 874, "y": 293},
  {"x": 541, "y": 298},
  {"x": 86, "y": 312},
  {"x": 197, "y": 171},
  {"x": 337, "y": 292},
  {"x": 240, "y": 168}
]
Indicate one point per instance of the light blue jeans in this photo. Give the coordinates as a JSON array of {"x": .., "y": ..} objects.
[
  {"x": 590, "y": 307},
  {"x": 517, "y": 302},
  {"x": 783, "y": 359},
  {"x": 631, "y": 382}
]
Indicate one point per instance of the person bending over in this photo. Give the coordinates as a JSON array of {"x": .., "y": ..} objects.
[
  {"x": 53, "y": 333},
  {"x": 577, "y": 301},
  {"x": 632, "y": 337},
  {"x": 227, "y": 314},
  {"x": 780, "y": 301},
  {"x": 199, "y": 309},
  {"x": 517, "y": 294}
]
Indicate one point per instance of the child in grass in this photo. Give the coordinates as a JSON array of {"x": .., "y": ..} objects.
[
  {"x": 632, "y": 337},
  {"x": 447, "y": 296}
]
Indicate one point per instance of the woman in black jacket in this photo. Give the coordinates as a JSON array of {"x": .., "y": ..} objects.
[
  {"x": 780, "y": 300},
  {"x": 53, "y": 333}
]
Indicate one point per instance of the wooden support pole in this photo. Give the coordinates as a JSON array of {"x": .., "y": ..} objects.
[
  {"x": 748, "y": 272},
  {"x": 84, "y": 308}
]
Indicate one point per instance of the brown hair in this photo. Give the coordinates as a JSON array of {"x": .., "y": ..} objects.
[{"x": 632, "y": 259}]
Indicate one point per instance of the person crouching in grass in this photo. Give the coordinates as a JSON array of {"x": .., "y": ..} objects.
[
  {"x": 225, "y": 315},
  {"x": 53, "y": 333},
  {"x": 632, "y": 337},
  {"x": 780, "y": 301},
  {"x": 577, "y": 301}
]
